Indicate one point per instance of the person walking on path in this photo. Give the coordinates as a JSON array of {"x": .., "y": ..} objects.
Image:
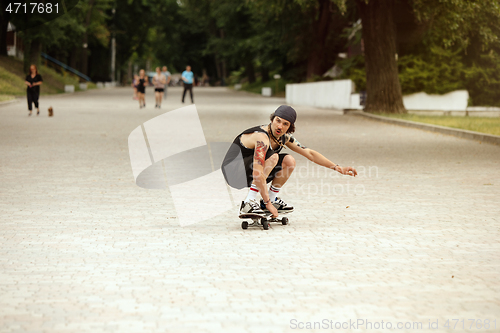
[
  {"x": 260, "y": 149},
  {"x": 159, "y": 82},
  {"x": 33, "y": 83},
  {"x": 168, "y": 76},
  {"x": 141, "y": 89},
  {"x": 187, "y": 78},
  {"x": 135, "y": 82}
]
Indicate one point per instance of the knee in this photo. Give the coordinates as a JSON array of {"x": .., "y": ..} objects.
[
  {"x": 289, "y": 163},
  {"x": 273, "y": 159}
]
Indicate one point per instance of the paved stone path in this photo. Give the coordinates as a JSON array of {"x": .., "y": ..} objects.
[{"x": 414, "y": 238}]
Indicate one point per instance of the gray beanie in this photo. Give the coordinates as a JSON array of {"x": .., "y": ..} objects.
[{"x": 286, "y": 112}]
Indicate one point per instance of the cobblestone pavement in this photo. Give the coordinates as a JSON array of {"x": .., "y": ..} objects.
[{"x": 414, "y": 238}]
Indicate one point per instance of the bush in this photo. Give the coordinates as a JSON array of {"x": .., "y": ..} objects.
[
  {"x": 438, "y": 72},
  {"x": 483, "y": 80},
  {"x": 354, "y": 68}
]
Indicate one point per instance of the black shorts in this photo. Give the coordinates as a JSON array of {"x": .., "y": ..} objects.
[
  {"x": 141, "y": 90},
  {"x": 159, "y": 89},
  {"x": 249, "y": 168}
]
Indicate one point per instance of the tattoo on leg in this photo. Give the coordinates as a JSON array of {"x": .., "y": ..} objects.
[{"x": 260, "y": 152}]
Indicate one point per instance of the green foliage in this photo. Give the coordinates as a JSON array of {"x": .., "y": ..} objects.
[
  {"x": 59, "y": 80},
  {"x": 482, "y": 80},
  {"x": 460, "y": 49},
  {"x": 436, "y": 72},
  {"x": 354, "y": 68},
  {"x": 11, "y": 84},
  {"x": 452, "y": 21}
]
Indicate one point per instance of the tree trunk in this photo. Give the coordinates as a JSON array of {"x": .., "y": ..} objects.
[
  {"x": 223, "y": 63},
  {"x": 84, "y": 57},
  {"x": 85, "y": 41},
  {"x": 217, "y": 66},
  {"x": 32, "y": 52},
  {"x": 315, "y": 60},
  {"x": 4, "y": 23},
  {"x": 250, "y": 71},
  {"x": 379, "y": 36},
  {"x": 35, "y": 51},
  {"x": 264, "y": 73},
  {"x": 224, "y": 73},
  {"x": 73, "y": 58}
]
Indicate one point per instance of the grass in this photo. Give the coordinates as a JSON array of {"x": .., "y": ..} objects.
[
  {"x": 477, "y": 124},
  {"x": 11, "y": 84},
  {"x": 257, "y": 86},
  {"x": 12, "y": 79}
]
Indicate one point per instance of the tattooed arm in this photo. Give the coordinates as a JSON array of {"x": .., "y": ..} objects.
[
  {"x": 259, "y": 159},
  {"x": 259, "y": 177}
]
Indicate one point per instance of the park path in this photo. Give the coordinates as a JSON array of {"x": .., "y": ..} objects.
[{"x": 414, "y": 238}]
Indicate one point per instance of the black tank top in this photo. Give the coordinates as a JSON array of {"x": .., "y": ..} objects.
[
  {"x": 250, "y": 152},
  {"x": 234, "y": 169}
]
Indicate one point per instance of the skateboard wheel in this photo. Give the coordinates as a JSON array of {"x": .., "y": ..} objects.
[
  {"x": 284, "y": 221},
  {"x": 244, "y": 225},
  {"x": 265, "y": 224}
]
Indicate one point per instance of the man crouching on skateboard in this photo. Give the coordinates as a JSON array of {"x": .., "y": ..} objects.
[{"x": 260, "y": 147}]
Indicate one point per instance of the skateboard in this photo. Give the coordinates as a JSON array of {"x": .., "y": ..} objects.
[{"x": 262, "y": 220}]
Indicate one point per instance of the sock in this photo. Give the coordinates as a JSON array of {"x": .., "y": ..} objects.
[
  {"x": 252, "y": 193},
  {"x": 273, "y": 192}
]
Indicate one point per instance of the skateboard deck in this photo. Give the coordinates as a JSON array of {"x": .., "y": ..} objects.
[
  {"x": 251, "y": 216},
  {"x": 262, "y": 220}
]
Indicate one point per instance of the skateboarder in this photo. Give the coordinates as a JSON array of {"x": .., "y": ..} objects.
[{"x": 260, "y": 148}]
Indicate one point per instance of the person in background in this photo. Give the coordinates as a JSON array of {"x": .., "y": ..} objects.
[
  {"x": 135, "y": 82},
  {"x": 204, "y": 79},
  {"x": 33, "y": 83},
  {"x": 159, "y": 82},
  {"x": 141, "y": 88},
  {"x": 168, "y": 76},
  {"x": 187, "y": 78}
]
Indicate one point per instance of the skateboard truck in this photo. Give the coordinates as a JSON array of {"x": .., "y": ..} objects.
[{"x": 264, "y": 222}]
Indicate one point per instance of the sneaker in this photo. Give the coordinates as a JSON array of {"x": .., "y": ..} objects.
[
  {"x": 250, "y": 207},
  {"x": 279, "y": 204}
]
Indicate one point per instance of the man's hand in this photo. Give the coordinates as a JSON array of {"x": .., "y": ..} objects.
[
  {"x": 348, "y": 171},
  {"x": 272, "y": 209}
]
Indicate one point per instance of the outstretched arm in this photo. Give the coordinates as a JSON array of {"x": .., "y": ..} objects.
[{"x": 319, "y": 159}]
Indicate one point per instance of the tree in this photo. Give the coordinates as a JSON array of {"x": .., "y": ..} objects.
[
  {"x": 309, "y": 32},
  {"x": 382, "y": 82},
  {"x": 4, "y": 22},
  {"x": 452, "y": 24}
]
